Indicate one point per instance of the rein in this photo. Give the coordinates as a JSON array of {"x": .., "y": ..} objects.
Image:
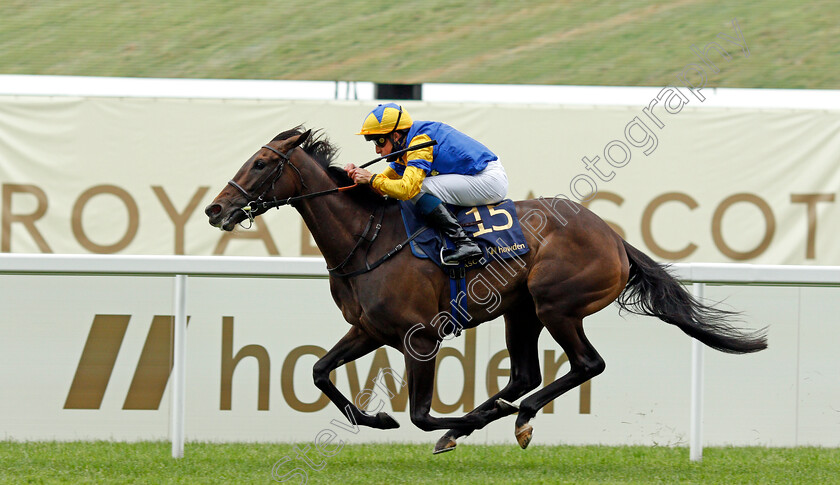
[
  {"x": 274, "y": 202},
  {"x": 259, "y": 202}
]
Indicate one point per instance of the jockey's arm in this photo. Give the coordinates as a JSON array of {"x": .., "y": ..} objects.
[
  {"x": 390, "y": 173},
  {"x": 406, "y": 187},
  {"x": 402, "y": 188}
]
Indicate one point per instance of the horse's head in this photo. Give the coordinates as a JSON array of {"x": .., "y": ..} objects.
[{"x": 264, "y": 176}]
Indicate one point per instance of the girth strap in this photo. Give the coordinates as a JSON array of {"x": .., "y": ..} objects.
[
  {"x": 372, "y": 266},
  {"x": 359, "y": 242}
]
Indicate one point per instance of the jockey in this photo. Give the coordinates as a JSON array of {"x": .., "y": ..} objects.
[{"x": 458, "y": 170}]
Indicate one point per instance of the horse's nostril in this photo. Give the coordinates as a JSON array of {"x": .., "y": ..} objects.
[{"x": 213, "y": 210}]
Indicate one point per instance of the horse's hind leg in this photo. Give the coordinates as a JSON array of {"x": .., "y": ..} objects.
[
  {"x": 585, "y": 364},
  {"x": 420, "y": 373},
  {"x": 522, "y": 331}
]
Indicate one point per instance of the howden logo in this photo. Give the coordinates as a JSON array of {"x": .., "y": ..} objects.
[{"x": 100, "y": 353}]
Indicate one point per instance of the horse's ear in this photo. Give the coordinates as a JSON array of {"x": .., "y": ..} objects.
[{"x": 300, "y": 139}]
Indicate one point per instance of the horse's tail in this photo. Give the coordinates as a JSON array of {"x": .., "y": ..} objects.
[{"x": 652, "y": 290}]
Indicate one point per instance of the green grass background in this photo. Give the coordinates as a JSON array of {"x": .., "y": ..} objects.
[
  {"x": 600, "y": 42},
  {"x": 104, "y": 462}
]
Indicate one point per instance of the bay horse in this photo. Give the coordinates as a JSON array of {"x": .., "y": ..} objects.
[{"x": 576, "y": 266}]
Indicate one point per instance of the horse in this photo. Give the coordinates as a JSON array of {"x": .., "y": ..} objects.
[{"x": 576, "y": 266}]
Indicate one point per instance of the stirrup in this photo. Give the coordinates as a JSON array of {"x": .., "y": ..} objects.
[
  {"x": 443, "y": 261},
  {"x": 462, "y": 260}
]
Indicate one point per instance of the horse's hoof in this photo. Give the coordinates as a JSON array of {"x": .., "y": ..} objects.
[
  {"x": 506, "y": 407},
  {"x": 385, "y": 421},
  {"x": 524, "y": 434},
  {"x": 444, "y": 444}
]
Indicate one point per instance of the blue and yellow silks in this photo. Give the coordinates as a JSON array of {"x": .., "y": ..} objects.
[{"x": 455, "y": 153}]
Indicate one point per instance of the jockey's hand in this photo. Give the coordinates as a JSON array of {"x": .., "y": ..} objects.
[{"x": 359, "y": 175}]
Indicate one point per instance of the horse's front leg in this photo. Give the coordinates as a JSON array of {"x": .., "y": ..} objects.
[{"x": 353, "y": 345}]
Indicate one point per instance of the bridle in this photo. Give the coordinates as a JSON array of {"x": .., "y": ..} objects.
[
  {"x": 260, "y": 202},
  {"x": 273, "y": 178}
]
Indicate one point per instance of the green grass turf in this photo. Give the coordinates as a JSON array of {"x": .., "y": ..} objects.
[
  {"x": 598, "y": 42},
  {"x": 150, "y": 462}
]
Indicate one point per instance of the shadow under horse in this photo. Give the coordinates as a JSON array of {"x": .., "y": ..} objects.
[{"x": 577, "y": 265}]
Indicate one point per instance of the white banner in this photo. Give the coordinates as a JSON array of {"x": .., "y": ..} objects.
[
  {"x": 88, "y": 357},
  {"x": 132, "y": 176}
]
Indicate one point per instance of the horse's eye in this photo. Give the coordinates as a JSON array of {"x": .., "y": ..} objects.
[{"x": 259, "y": 164}]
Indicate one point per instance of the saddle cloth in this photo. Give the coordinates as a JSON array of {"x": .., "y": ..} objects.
[{"x": 495, "y": 228}]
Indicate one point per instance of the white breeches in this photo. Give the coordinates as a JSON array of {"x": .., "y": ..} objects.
[{"x": 486, "y": 187}]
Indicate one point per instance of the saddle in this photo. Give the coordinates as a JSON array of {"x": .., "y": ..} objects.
[{"x": 496, "y": 230}]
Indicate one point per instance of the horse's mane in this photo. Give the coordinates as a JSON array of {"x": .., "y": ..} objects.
[{"x": 319, "y": 147}]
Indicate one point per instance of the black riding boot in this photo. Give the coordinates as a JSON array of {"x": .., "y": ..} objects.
[{"x": 465, "y": 248}]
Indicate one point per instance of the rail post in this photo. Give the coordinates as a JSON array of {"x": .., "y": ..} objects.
[{"x": 179, "y": 366}]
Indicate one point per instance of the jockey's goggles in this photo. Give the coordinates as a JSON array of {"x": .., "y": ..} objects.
[{"x": 378, "y": 140}]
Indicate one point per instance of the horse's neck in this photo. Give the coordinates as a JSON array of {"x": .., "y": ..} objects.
[{"x": 335, "y": 220}]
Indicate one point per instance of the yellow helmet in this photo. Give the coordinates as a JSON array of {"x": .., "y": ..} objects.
[{"x": 385, "y": 119}]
